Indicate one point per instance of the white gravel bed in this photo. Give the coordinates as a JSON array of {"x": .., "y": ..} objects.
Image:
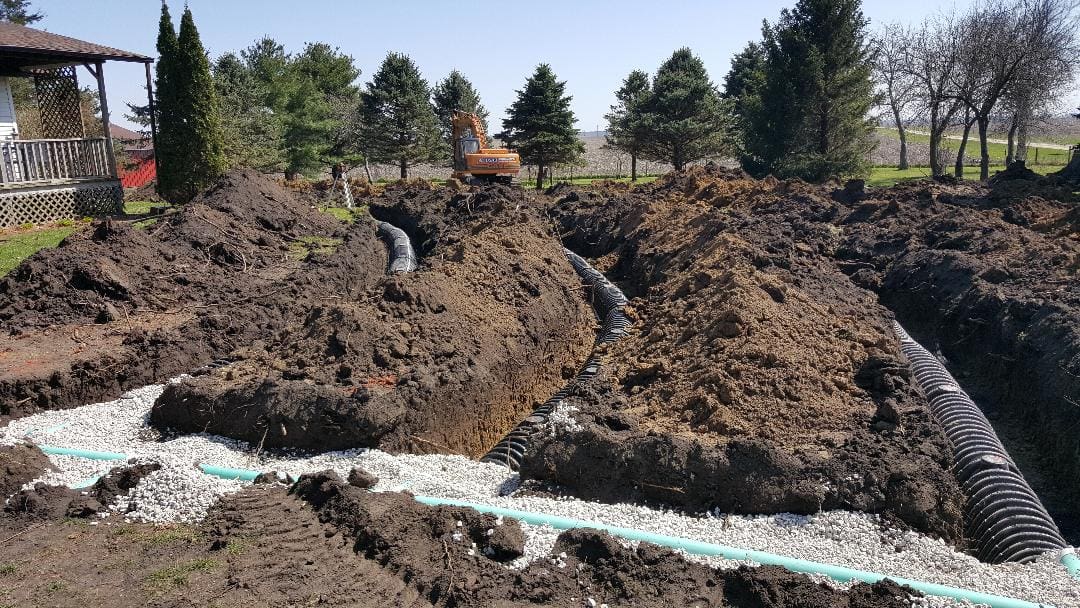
[{"x": 181, "y": 492}]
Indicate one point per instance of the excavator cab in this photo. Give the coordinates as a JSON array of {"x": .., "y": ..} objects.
[{"x": 473, "y": 160}]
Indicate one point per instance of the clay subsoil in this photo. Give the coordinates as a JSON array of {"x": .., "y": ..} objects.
[
  {"x": 763, "y": 374},
  {"x": 327, "y": 543},
  {"x": 444, "y": 359}
]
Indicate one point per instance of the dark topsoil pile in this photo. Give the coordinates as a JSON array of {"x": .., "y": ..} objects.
[
  {"x": 115, "y": 307},
  {"x": 447, "y": 358},
  {"x": 759, "y": 378},
  {"x": 328, "y": 543}
]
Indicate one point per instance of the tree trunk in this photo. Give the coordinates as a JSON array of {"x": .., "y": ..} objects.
[
  {"x": 367, "y": 170},
  {"x": 903, "y": 139},
  {"x": 633, "y": 168},
  {"x": 404, "y": 169},
  {"x": 290, "y": 175},
  {"x": 984, "y": 148},
  {"x": 935, "y": 144},
  {"x": 958, "y": 168},
  {"x": 1010, "y": 147},
  {"x": 540, "y": 170},
  {"x": 1022, "y": 142}
]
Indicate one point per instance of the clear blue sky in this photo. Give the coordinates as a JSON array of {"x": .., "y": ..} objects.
[{"x": 590, "y": 45}]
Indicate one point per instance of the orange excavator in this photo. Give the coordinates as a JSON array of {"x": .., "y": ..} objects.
[{"x": 473, "y": 160}]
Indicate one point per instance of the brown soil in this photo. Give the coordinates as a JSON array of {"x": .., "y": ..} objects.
[
  {"x": 444, "y": 359},
  {"x": 20, "y": 464},
  {"x": 115, "y": 307},
  {"x": 759, "y": 378},
  {"x": 331, "y": 544}
]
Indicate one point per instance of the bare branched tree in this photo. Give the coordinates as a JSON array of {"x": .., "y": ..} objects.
[
  {"x": 932, "y": 59},
  {"x": 896, "y": 84}
]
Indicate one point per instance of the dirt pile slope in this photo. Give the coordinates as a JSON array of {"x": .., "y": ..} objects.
[
  {"x": 20, "y": 464},
  {"x": 447, "y": 358},
  {"x": 989, "y": 278},
  {"x": 114, "y": 307},
  {"x": 335, "y": 545},
  {"x": 759, "y": 378}
]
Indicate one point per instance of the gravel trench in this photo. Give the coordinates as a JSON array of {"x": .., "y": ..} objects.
[{"x": 179, "y": 492}]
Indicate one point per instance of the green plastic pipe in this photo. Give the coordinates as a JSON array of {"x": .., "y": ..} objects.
[
  {"x": 228, "y": 473},
  {"x": 86, "y": 483},
  {"x": 1072, "y": 564},
  {"x": 88, "y": 454},
  {"x": 838, "y": 573}
]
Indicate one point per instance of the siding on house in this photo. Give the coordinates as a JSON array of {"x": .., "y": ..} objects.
[{"x": 8, "y": 129}]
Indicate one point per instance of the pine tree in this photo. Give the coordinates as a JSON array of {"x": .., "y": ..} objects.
[
  {"x": 19, "y": 12},
  {"x": 626, "y": 128},
  {"x": 201, "y": 158},
  {"x": 321, "y": 84},
  {"x": 540, "y": 124},
  {"x": 810, "y": 117},
  {"x": 398, "y": 121},
  {"x": 745, "y": 76},
  {"x": 169, "y": 140},
  {"x": 251, "y": 131},
  {"x": 455, "y": 92},
  {"x": 685, "y": 118}
]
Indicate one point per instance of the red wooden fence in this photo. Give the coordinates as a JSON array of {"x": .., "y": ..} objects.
[{"x": 139, "y": 174}]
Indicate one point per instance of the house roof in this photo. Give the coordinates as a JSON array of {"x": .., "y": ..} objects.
[
  {"x": 118, "y": 132},
  {"x": 25, "y": 47}
]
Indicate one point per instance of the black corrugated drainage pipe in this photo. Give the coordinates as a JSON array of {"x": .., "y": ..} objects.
[
  {"x": 609, "y": 303},
  {"x": 1004, "y": 518},
  {"x": 402, "y": 256}
]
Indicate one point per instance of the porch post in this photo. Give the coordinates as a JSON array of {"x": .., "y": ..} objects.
[
  {"x": 153, "y": 114},
  {"x": 100, "y": 73}
]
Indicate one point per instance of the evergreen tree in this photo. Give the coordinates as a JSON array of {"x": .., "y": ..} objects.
[
  {"x": 323, "y": 94},
  {"x": 626, "y": 127},
  {"x": 540, "y": 124},
  {"x": 398, "y": 120},
  {"x": 810, "y": 117},
  {"x": 455, "y": 92},
  {"x": 745, "y": 76},
  {"x": 201, "y": 159},
  {"x": 19, "y": 12},
  {"x": 251, "y": 131},
  {"x": 169, "y": 141},
  {"x": 685, "y": 118}
]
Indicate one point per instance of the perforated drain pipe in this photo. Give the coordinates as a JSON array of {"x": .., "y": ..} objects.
[
  {"x": 838, "y": 573},
  {"x": 1003, "y": 517},
  {"x": 609, "y": 303},
  {"x": 402, "y": 256}
]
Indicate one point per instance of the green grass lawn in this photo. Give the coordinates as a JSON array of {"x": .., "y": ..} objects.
[
  {"x": 889, "y": 176},
  {"x": 1046, "y": 156},
  {"x": 17, "y": 246}
]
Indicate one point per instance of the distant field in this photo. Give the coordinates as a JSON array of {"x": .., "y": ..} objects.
[{"x": 1040, "y": 156}]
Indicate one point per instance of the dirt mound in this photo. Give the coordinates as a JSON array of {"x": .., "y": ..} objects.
[
  {"x": 349, "y": 547},
  {"x": 447, "y": 551},
  {"x": 20, "y": 464},
  {"x": 114, "y": 307},
  {"x": 447, "y": 358},
  {"x": 759, "y": 378}
]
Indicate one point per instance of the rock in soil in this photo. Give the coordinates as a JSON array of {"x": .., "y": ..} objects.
[{"x": 447, "y": 358}]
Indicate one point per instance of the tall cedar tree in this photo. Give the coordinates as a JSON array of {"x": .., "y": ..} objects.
[
  {"x": 455, "y": 92},
  {"x": 398, "y": 121},
  {"x": 540, "y": 124},
  {"x": 744, "y": 79},
  {"x": 19, "y": 12},
  {"x": 201, "y": 157},
  {"x": 626, "y": 129},
  {"x": 685, "y": 118},
  {"x": 169, "y": 141},
  {"x": 811, "y": 117}
]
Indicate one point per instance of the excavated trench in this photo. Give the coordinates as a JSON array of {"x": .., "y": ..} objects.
[{"x": 444, "y": 359}]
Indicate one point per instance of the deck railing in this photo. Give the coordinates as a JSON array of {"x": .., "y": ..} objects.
[{"x": 26, "y": 161}]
